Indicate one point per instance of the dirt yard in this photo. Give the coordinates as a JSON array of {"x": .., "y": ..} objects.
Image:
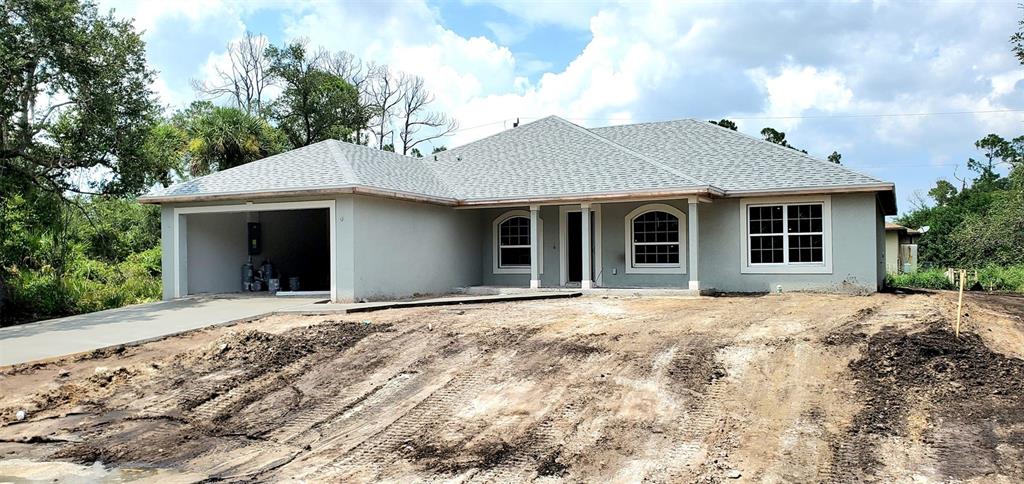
[{"x": 777, "y": 388}]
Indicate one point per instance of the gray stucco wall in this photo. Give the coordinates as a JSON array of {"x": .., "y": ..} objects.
[
  {"x": 613, "y": 264},
  {"x": 405, "y": 248},
  {"x": 855, "y": 250},
  {"x": 549, "y": 276},
  {"x": 215, "y": 252},
  {"x": 167, "y": 270}
]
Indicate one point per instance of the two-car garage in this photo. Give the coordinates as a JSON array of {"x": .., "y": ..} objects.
[{"x": 288, "y": 244}]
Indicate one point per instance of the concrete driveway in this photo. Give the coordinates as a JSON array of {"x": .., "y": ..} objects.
[{"x": 86, "y": 332}]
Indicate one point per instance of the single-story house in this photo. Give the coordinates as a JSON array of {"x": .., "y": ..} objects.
[
  {"x": 680, "y": 204},
  {"x": 900, "y": 248}
]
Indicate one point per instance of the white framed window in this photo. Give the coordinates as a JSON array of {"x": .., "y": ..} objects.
[
  {"x": 512, "y": 243},
  {"x": 656, "y": 240},
  {"x": 792, "y": 235}
]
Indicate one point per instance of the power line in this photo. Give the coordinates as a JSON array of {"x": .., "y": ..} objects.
[{"x": 822, "y": 116}]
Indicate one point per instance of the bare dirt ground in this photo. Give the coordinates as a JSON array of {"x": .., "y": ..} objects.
[{"x": 780, "y": 388}]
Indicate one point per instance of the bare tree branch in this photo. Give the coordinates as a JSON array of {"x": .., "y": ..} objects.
[
  {"x": 385, "y": 89},
  {"x": 247, "y": 77},
  {"x": 414, "y": 116}
]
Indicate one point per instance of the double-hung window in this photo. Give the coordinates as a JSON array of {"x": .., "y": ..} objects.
[{"x": 787, "y": 236}]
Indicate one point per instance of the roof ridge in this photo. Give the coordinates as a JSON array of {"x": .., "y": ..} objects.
[
  {"x": 633, "y": 152},
  {"x": 405, "y": 158},
  {"x": 344, "y": 164}
]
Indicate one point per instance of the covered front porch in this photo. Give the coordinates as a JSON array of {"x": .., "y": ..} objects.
[{"x": 590, "y": 245}]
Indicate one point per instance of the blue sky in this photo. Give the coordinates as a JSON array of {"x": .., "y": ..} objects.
[{"x": 833, "y": 75}]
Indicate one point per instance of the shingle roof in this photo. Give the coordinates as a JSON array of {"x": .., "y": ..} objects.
[
  {"x": 731, "y": 160},
  {"x": 550, "y": 157},
  {"x": 327, "y": 164}
]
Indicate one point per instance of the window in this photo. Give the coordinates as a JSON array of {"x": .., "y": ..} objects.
[
  {"x": 787, "y": 234},
  {"x": 512, "y": 243},
  {"x": 655, "y": 239}
]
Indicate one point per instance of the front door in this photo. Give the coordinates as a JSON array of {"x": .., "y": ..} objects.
[{"x": 574, "y": 246}]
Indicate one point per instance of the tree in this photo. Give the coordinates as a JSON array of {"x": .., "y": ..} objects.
[
  {"x": 246, "y": 78},
  {"x": 385, "y": 92},
  {"x": 415, "y": 153},
  {"x": 772, "y": 135},
  {"x": 438, "y": 149},
  {"x": 315, "y": 105},
  {"x": 74, "y": 97},
  {"x": 220, "y": 137},
  {"x": 943, "y": 192},
  {"x": 835, "y": 157},
  {"x": 726, "y": 123},
  {"x": 414, "y": 116}
]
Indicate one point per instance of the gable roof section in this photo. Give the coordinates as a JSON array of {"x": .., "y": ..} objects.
[
  {"x": 731, "y": 160},
  {"x": 548, "y": 158},
  {"x": 326, "y": 165}
]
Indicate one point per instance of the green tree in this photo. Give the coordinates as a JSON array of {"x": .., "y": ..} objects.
[
  {"x": 943, "y": 192},
  {"x": 438, "y": 149},
  {"x": 726, "y": 123},
  {"x": 315, "y": 105},
  {"x": 218, "y": 138},
  {"x": 75, "y": 98},
  {"x": 836, "y": 158}
]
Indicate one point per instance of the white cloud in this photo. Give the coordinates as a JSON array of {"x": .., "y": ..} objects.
[{"x": 796, "y": 90}]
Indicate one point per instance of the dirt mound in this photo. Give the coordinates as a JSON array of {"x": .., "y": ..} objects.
[
  {"x": 961, "y": 382},
  {"x": 255, "y": 347}
]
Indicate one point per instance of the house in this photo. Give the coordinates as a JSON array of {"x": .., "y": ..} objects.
[
  {"x": 680, "y": 204},
  {"x": 900, "y": 248}
]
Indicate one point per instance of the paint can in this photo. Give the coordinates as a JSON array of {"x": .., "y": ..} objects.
[
  {"x": 293, "y": 283},
  {"x": 273, "y": 285}
]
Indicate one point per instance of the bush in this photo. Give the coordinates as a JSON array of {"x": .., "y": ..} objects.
[
  {"x": 1002, "y": 278},
  {"x": 991, "y": 278},
  {"x": 88, "y": 285},
  {"x": 925, "y": 279}
]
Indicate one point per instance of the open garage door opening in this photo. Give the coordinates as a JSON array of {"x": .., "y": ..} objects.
[{"x": 289, "y": 251}]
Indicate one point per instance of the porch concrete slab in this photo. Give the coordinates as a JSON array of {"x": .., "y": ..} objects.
[
  {"x": 596, "y": 291},
  {"x": 317, "y": 309},
  {"x": 132, "y": 324}
]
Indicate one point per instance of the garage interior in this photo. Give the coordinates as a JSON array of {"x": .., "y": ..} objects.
[{"x": 295, "y": 242}]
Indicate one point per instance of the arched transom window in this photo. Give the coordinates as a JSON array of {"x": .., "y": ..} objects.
[{"x": 656, "y": 239}]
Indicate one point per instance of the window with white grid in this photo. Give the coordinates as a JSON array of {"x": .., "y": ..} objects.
[{"x": 787, "y": 234}]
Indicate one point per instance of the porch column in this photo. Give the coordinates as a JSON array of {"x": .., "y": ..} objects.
[
  {"x": 692, "y": 231},
  {"x": 585, "y": 282},
  {"x": 534, "y": 246}
]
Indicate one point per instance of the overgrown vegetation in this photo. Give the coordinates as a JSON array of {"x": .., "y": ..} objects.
[
  {"x": 82, "y": 134},
  {"x": 990, "y": 278},
  {"x": 976, "y": 222}
]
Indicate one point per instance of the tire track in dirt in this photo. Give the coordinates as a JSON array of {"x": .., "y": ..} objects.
[{"x": 382, "y": 448}]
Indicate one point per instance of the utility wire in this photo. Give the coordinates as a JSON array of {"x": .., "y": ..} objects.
[{"x": 822, "y": 116}]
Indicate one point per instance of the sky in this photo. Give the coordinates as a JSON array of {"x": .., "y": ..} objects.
[{"x": 901, "y": 89}]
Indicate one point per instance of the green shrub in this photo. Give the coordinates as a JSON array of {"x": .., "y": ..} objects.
[
  {"x": 1002, "y": 278},
  {"x": 88, "y": 285},
  {"x": 926, "y": 279},
  {"x": 991, "y": 278}
]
